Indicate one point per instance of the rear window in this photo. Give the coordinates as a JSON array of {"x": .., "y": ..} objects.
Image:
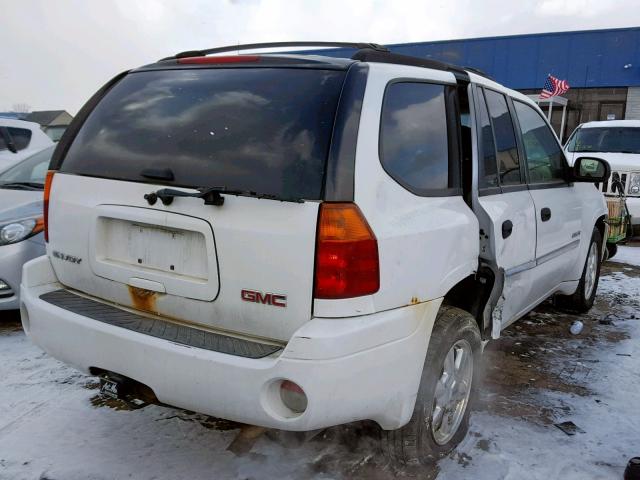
[
  {"x": 21, "y": 137},
  {"x": 262, "y": 130}
]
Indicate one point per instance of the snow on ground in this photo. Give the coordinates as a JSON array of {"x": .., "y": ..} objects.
[
  {"x": 628, "y": 255},
  {"x": 608, "y": 415},
  {"x": 55, "y": 426}
]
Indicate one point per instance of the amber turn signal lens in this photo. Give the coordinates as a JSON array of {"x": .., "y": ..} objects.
[
  {"x": 47, "y": 192},
  {"x": 347, "y": 262}
]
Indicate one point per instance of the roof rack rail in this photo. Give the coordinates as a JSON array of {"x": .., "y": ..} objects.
[
  {"x": 477, "y": 71},
  {"x": 253, "y": 46},
  {"x": 369, "y": 55},
  {"x": 400, "y": 59}
]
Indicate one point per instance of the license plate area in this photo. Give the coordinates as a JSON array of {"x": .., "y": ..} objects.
[
  {"x": 173, "y": 251},
  {"x": 177, "y": 251}
]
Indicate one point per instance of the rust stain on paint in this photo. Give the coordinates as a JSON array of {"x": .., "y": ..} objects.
[
  {"x": 143, "y": 299},
  {"x": 414, "y": 300}
]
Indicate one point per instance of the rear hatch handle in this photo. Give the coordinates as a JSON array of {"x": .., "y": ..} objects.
[{"x": 210, "y": 195}]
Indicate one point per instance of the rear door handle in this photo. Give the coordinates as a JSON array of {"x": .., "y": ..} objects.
[
  {"x": 545, "y": 214},
  {"x": 507, "y": 228}
]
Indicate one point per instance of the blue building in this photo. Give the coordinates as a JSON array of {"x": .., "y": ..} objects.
[{"x": 601, "y": 66}]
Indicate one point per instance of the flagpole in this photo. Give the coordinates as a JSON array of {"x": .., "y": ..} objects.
[
  {"x": 550, "y": 107},
  {"x": 564, "y": 120}
]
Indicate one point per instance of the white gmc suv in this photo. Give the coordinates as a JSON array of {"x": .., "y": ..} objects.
[{"x": 298, "y": 241}]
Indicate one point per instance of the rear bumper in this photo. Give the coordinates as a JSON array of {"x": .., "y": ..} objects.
[{"x": 351, "y": 369}]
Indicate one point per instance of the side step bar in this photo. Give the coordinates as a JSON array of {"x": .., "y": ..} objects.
[{"x": 157, "y": 327}]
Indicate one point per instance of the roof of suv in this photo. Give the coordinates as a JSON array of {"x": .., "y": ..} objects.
[
  {"x": 251, "y": 60},
  {"x": 364, "y": 52}
]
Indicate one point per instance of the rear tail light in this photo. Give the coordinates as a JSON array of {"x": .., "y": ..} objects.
[
  {"x": 346, "y": 253},
  {"x": 47, "y": 192},
  {"x": 293, "y": 396}
]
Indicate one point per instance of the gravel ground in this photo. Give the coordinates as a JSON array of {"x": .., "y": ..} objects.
[{"x": 55, "y": 425}]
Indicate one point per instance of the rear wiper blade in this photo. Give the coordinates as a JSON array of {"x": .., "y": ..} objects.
[
  {"x": 29, "y": 185},
  {"x": 210, "y": 195}
]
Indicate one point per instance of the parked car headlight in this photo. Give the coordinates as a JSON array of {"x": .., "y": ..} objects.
[
  {"x": 634, "y": 184},
  {"x": 20, "y": 230}
]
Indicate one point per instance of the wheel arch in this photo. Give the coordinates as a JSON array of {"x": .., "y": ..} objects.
[
  {"x": 601, "y": 225},
  {"x": 474, "y": 294}
]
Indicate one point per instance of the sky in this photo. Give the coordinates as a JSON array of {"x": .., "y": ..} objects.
[{"x": 60, "y": 52}]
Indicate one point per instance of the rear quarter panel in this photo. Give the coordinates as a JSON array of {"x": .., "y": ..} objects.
[{"x": 426, "y": 244}]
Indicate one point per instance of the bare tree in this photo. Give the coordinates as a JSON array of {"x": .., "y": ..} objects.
[{"x": 21, "y": 107}]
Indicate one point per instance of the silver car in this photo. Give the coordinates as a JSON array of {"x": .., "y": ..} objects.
[{"x": 21, "y": 222}]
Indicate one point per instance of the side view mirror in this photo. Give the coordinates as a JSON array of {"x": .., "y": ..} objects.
[{"x": 590, "y": 169}]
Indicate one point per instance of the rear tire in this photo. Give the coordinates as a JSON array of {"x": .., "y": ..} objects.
[
  {"x": 585, "y": 295},
  {"x": 440, "y": 417},
  {"x": 612, "y": 249}
]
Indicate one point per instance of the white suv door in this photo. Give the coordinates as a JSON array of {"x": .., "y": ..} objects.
[
  {"x": 504, "y": 197},
  {"x": 558, "y": 204}
]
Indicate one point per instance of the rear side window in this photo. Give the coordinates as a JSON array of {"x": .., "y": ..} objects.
[
  {"x": 21, "y": 137},
  {"x": 545, "y": 161},
  {"x": 488, "y": 167},
  {"x": 413, "y": 136},
  {"x": 507, "y": 150},
  {"x": 3, "y": 142},
  {"x": 263, "y": 130}
]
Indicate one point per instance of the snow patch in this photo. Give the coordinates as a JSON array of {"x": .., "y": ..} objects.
[{"x": 628, "y": 255}]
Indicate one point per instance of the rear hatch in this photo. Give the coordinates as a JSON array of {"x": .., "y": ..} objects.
[{"x": 245, "y": 266}]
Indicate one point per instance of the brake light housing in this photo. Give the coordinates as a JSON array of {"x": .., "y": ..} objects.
[
  {"x": 45, "y": 204},
  {"x": 219, "y": 59},
  {"x": 347, "y": 263}
]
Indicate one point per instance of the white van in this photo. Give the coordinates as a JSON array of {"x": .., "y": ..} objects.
[{"x": 297, "y": 241}]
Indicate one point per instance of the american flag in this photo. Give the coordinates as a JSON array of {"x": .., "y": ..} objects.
[{"x": 553, "y": 87}]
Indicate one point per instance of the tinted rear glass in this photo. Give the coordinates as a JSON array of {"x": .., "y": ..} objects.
[
  {"x": 21, "y": 137},
  {"x": 413, "y": 136},
  {"x": 602, "y": 139},
  {"x": 263, "y": 130},
  {"x": 508, "y": 160}
]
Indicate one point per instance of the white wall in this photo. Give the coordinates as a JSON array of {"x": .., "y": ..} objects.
[{"x": 633, "y": 104}]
